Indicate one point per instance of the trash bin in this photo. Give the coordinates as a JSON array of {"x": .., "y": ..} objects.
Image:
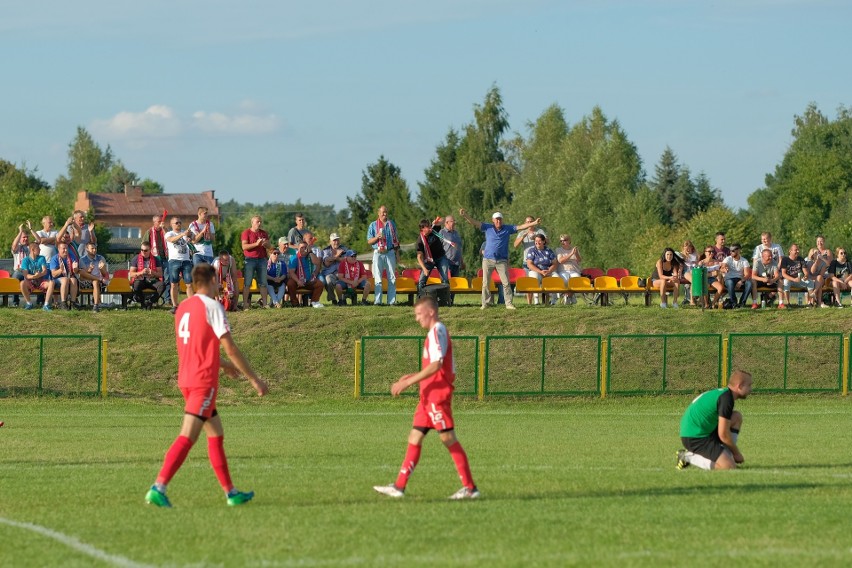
[
  {"x": 699, "y": 281},
  {"x": 441, "y": 293}
]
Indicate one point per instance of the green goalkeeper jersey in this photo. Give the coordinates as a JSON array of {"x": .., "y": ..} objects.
[{"x": 701, "y": 418}]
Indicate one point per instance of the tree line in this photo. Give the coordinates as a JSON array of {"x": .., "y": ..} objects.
[{"x": 585, "y": 179}]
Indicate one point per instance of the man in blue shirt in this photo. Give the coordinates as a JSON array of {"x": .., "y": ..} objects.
[{"x": 496, "y": 254}]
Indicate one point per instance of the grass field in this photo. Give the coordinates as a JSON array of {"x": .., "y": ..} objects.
[{"x": 564, "y": 482}]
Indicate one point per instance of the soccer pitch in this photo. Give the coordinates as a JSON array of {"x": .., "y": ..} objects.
[{"x": 564, "y": 482}]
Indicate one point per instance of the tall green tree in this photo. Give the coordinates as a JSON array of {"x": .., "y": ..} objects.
[
  {"x": 23, "y": 196},
  {"x": 441, "y": 177}
]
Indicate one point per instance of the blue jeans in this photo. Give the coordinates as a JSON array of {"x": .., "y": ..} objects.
[
  {"x": 201, "y": 259},
  {"x": 442, "y": 265},
  {"x": 385, "y": 261},
  {"x": 178, "y": 268},
  {"x": 731, "y": 283},
  {"x": 255, "y": 269}
]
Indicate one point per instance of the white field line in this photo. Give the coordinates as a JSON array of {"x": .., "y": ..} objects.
[{"x": 76, "y": 544}]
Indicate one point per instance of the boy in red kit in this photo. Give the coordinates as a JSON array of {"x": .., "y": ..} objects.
[
  {"x": 436, "y": 378},
  {"x": 200, "y": 327}
]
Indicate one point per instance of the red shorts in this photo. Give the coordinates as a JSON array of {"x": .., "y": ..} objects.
[
  {"x": 36, "y": 286},
  {"x": 200, "y": 401},
  {"x": 435, "y": 415}
]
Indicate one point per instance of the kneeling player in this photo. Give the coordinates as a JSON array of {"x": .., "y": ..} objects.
[
  {"x": 710, "y": 427},
  {"x": 434, "y": 412},
  {"x": 201, "y": 326}
]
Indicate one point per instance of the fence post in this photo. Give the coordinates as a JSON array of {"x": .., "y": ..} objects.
[
  {"x": 104, "y": 347},
  {"x": 604, "y": 368},
  {"x": 845, "y": 386},
  {"x": 481, "y": 385},
  {"x": 725, "y": 362},
  {"x": 357, "y": 368}
]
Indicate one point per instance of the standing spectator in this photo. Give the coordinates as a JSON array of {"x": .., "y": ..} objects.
[
  {"x": 384, "y": 238},
  {"x": 452, "y": 243},
  {"x": 330, "y": 259},
  {"x": 569, "y": 260},
  {"x": 36, "y": 277},
  {"x": 146, "y": 273},
  {"x": 201, "y": 328},
  {"x": 62, "y": 270},
  {"x": 303, "y": 275},
  {"x": 793, "y": 271},
  {"x": 764, "y": 272},
  {"x": 737, "y": 276},
  {"x": 254, "y": 242},
  {"x": 203, "y": 233},
  {"x": 47, "y": 238},
  {"x": 297, "y": 234},
  {"x": 436, "y": 378},
  {"x": 720, "y": 251},
  {"x": 495, "y": 255},
  {"x": 541, "y": 263},
  {"x": 276, "y": 277},
  {"x": 666, "y": 277},
  {"x": 430, "y": 252},
  {"x": 81, "y": 233},
  {"x": 767, "y": 244},
  {"x": 92, "y": 273},
  {"x": 351, "y": 277},
  {"x": 180, "y": 263},
  {"x": 226, "y": 280},
  {"x": 156, "y": 239},
  {"x": 20, "y": 250},
  {"x": 527, "y": 238},
  {"x": 840, "y": 275}
]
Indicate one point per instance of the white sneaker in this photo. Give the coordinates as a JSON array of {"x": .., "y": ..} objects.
[
  {"x": 674, "y": 305},
  {"x": 390, "y": 490},
  {"x": 465, "y": 493},
  {"x": 316, "y": 305},
  {"x": 511, "y": 307}
]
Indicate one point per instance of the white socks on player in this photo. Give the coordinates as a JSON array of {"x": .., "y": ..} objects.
[{"x": 698, "y": 461}]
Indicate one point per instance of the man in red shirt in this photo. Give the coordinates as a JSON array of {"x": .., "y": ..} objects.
[
  {"x": 255, "y": 241},
  {"x": 201, "y": 327},
  {"x": 434, "y": 412}
]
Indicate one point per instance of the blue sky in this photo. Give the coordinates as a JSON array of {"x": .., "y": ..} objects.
[{"x": 274, "y": 101}]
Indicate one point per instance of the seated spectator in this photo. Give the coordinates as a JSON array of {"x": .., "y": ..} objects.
[
  {"x": 92, "y": 274},
  {"x": 765, "y": 273},
  {"x": 568, "y": 257},
  {"x": 541, "y": 263},
  {"x": 767, "y": 244},
  {"x": 20, "y": 251},
  {"x": 689, "y": 260},
  {"x": 303, "y": 275},
  {"x": 708, "y": 261},
  {"x": 840, "y": 275},
  {"x": 330, "y": 259},
  {"x": 737, "y": 272},
  {"x": 35, "y": 272},
  {"x": 666, "y": 277},
  {"x": 276, "y": 278},
  {"x": 818, "y": 269},
  {"x": 720, "y": 251},
  {"x": 351, "y": 277},
  {"x": 225, "y": 269},
  {"x": 146, "y": 274},
  {"x": 794, "y": 272},
  {"x": 823, "y": 250},
  {"x": 63, "y": 270},
  {"x": 430, "y": 252}
]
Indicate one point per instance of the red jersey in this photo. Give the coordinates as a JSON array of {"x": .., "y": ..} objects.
[
  {"x": 438, "y": 347},
  {"x": 199, "y": 323},
  {"x": 251, "y": 237},
  {"x": 351, "y": 271}
]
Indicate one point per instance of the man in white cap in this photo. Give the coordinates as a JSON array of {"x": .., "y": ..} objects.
[
  {"x": 330, "y": 259},
  {"x": 496, "y": 253}
]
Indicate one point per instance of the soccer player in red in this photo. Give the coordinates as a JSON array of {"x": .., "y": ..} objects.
[
  {"x": 201, "y": 327},
  {"x": 434, "y": 411}
]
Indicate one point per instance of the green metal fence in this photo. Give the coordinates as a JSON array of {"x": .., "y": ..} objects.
[
  {"x": 791, "y": 362},
  {"x": 542, "y": 364},
  {"x": 669, "y": 363},
  {"x": 383, "y": 359},
  {"x": 59, "y": 364}
]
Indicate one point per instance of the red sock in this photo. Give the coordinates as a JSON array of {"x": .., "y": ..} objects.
[
  {"x": 174, "y": 459},
  {"x": 216, "y": 452},
  {"x": 462, "y": 465},
  {"x": 412, "y": 456}
]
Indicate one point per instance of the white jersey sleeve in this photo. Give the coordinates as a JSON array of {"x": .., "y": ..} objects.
[
  {"x": 438, "y": 342},
  {"x": 216, "y": 316}
]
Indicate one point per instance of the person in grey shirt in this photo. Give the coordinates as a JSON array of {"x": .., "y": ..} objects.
[{"x": 452, "y": 241}]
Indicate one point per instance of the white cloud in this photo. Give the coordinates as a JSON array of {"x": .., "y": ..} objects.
[
  {"x": 245, "y": 124},
  {"x": 157, "y": 121}
]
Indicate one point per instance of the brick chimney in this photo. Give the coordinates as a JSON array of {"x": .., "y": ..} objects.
[{"x": 133, "y": 193}]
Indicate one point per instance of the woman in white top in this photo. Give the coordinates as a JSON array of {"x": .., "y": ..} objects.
[
  {"x": 714, "y": 276},
  {"x": 689, "y": 260},
  {"x": 568, "y": 257}
]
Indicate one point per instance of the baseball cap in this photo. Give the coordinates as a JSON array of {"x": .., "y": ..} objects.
[
  {"x": 334, "y": 237},
  {"x": 497, "y": 215},
  {"x": 282, "y": 240},
  {"x": 351, "y": 252}
]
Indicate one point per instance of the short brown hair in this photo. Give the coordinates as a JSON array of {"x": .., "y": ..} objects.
[
  {"x": 203, "y": 274},
  {"x": 433, "y": 303}
]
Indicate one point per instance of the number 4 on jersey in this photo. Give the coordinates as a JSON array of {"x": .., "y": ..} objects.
[{"x": 183, "y": 328}]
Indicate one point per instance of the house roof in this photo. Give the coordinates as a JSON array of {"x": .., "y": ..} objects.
[{"x": 107, "y": 205}]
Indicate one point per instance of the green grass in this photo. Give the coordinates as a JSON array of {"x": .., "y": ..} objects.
[{"x": 565, "y": 482}]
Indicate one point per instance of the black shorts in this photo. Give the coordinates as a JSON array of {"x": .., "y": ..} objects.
[{"x": 710, "y": 447}]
